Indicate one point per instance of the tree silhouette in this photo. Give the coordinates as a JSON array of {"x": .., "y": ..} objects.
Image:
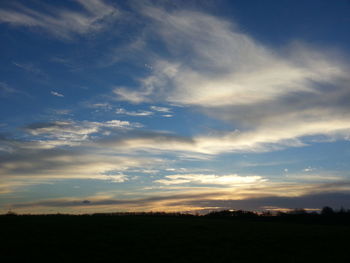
[{"x": 327, "y": 211}]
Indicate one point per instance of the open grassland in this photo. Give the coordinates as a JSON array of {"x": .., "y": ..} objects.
[{"x": 145, "y": 238}]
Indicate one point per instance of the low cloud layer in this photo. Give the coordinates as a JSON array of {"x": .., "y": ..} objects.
[{"x": 196, "y": 202}]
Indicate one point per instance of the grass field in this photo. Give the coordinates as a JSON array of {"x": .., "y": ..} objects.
[{"x": 59, "y": 238}]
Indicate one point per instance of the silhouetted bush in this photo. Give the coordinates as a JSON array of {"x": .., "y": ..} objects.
[
  {"x": 327, "y": 211},
  {"x": 297, "y": 211},
  {"x": 232, "y": 213}
]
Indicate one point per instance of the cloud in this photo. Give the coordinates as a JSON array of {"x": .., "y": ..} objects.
[
  {"x": 316, "y": 201},
  {"x": 219, "y": 142},
  {"x": 54, "y": 93},
  {"x": 64, "y": 164},
  {"x": 309, "y": 169},
  {"x": 135, "y": 97},
  {"x": 164, "y": 110},
  {"x": 157, "y": 141},
  {"x": 275, "y": 97},
  {"x": 115, "y": 178},
  {"x": 25, "y": 163},
  {"x": 133, "y": 113},
  {"x": 73, "y": 133},
  {"x": 210, "y": 179},
  {"x": 103, "y": 106},
  {"x": 160, "y": 109},
  {"x": 227, "y": 67},
  {"x": 152, "y": 141},
  {"x": 6, "y": 90},
  {"x": 197, "y": 202},
  {"x": 66, "y": 150},
  {"x": 61, "y": 22},
  {"x": 131, "y": 50},
  {"x": 30, "y": 68},
  {"x": 110, "y": 202},
  {"x": 61, "y": 111}
]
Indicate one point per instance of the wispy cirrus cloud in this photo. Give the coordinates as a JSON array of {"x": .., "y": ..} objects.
[
  {"x": 55, "y": 93},
  {"x": 45, "y": 160},
  {"x": 228, "y": 67},
  {"x": 35, "y": 167},
  {"x": 139, "y": 113},
  {"x": 133, "y": 96},
  {"x": 210, "y": 179},
  {"x": 274, "y": 97},
  {"x": 166, "y": 112},
  {"x": 65, "y": 150},
  {"x": 6, "y": 90},
  {"x": 62, "y": 22},
  {"x": 101, "y": 106},
  {"x": 161, "y": 109},
  {"x": 74, "y": 132},
  {"x": 31, "y": 68},
  {"x": 149, "y": 141}
]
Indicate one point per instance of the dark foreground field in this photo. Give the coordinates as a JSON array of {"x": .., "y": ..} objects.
[{"x": 170, "y": 239}]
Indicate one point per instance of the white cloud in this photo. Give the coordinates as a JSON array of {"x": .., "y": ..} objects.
[
  {"x": 275, "y": 96},
  {"x": 120, "y": 124},
  {"x": 115, "y": 178},
  {"x": 104, "y": 106},
  {"x": 160, "y": 109},
  {"x": 151, "y": 141},
  {"x": 54, "y": 93},
  {"x": 53, "y": 134},
  {"x": 136, "y": 97},
  {"x": 208, "y": 179},
  {"x": 44, "y": 166},
  {"x": 200, "y": 146},
  {"x": 309, "y": 169},
  {"x": 230, "y": 68},
  {"x": 133, "y": 113},
  {"x": 61, "y": 22},
  {"x": 319, "y": 177}
]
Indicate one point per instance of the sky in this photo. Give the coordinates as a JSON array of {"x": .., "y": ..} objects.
[{"x": 189, "y": 106}]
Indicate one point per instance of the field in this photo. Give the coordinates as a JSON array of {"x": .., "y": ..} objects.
[{"x": 146, "y": 238}]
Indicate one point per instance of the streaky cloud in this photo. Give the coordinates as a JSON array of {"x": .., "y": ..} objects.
[
  {"x": 122, "y": 111},
  {"x": 276, "y": 97},
  {"x": 198, "y": 202},
  {"x": 61, "y": 22},
  {"x": 55, "y": 93},
  {"x": 210, "y": 179}
]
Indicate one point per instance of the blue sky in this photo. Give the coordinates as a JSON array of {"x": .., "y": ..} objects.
[{"x": 174, "y": 106}]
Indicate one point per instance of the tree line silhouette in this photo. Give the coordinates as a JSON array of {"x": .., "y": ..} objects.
[{"x": 326, "y": 213}]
